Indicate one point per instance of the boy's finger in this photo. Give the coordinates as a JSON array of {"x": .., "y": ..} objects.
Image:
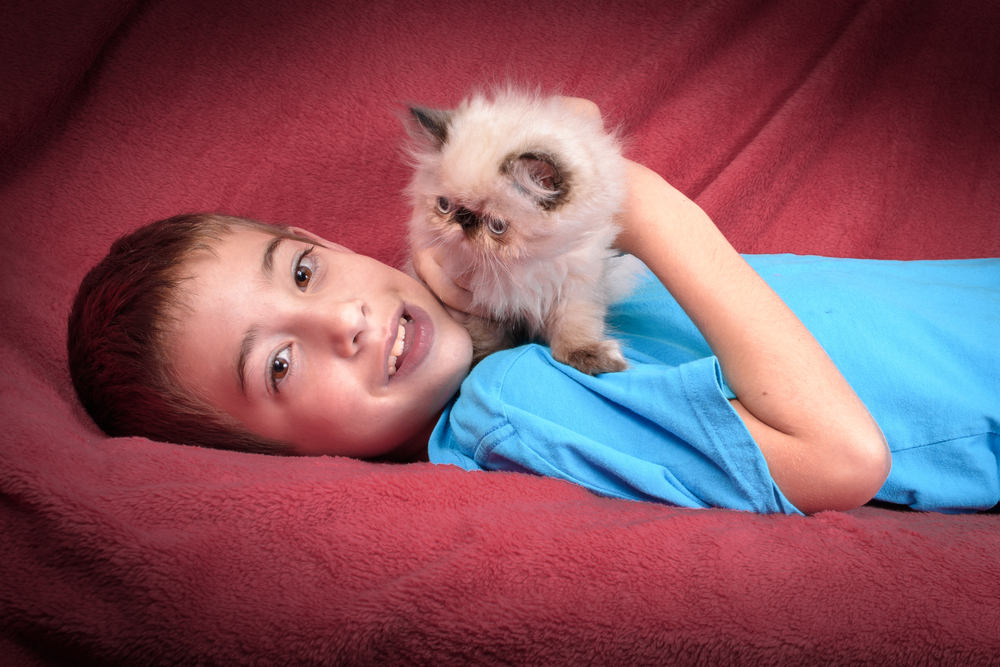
[
  {"x": 438, "y": 281},
  {"x": 457, "y": 315},
  {"x": 582, "y": 106}
]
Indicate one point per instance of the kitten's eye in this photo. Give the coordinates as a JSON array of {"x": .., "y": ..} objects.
[
  {"x": 303, "y": 272},
  {"x": 444, "y": 206},
  {"x": 497, "y": 225}
]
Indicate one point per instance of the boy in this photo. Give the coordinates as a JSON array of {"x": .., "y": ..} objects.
[{"x": 245, "y": 336}]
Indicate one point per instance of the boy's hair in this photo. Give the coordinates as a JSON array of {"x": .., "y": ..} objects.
[{"x": 118, "y": 330}]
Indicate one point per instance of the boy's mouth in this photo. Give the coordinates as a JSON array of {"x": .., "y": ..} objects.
[
  {"x": 413, "y": 342},
  {"x": 402, "y": 345}
]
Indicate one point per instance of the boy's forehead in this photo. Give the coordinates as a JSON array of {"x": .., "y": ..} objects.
[
  {"x": 266, "y": 233},
  {"x": 245, "y": 238},
  {"x": 219, "y": 297},
  {"x": 217, "y": 277},
  {"x": 236, "y": 246},
  {"x": 236, "y": 259}
]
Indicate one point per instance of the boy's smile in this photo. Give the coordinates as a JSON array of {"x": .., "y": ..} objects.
[{"x": 314, "y": 345}]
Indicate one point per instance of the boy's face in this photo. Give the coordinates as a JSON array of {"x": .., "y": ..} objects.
[{"x": 295, "y": 340}]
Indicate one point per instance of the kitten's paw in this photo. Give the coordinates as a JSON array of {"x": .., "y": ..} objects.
[{"x": 603, "y": 356}]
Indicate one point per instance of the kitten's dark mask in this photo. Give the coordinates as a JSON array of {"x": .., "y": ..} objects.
[{"x": 471, "y": 221}]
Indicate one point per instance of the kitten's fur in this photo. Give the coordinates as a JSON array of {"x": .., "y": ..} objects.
[{"x": 520, "y": 192}]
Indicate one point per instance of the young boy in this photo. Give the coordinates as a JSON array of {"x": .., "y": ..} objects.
[{"x": 221, "y": 332}]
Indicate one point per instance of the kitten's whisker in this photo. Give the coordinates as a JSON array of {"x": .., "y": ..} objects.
[
  {"x": 494, "y": 264},
  {"x": 505, "y": 267}
]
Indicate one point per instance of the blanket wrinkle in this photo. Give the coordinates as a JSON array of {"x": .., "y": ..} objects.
[
  {"x": 839, "y": 28},
  {"x": 57, "y": 48}
]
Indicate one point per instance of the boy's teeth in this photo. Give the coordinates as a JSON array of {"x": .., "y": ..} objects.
[{"x": 397, "y": 347}]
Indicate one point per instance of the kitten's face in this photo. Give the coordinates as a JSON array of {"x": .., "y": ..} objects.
[
  {"x": 516, "y": 197},
  {"x": 485, "y": 190},
  {"x": 500, "y": 214}
]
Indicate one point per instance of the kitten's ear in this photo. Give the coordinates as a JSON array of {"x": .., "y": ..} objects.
[
  {"x": 433, "y": 123},
  {"x": 538, "y": 175}
]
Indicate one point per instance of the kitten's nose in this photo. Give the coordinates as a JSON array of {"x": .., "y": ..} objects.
[{"x": 468, "y": 219}]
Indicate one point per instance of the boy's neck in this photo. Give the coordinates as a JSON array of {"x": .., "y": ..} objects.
[{"x": 413, "y": 450}]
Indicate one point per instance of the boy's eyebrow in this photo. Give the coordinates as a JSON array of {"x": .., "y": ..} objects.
[
  {"x": 249, "y": 338},
  {"x": 267, "y": 263}
]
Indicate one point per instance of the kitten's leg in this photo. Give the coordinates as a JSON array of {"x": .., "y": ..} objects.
[{"x": 577, "y": 337}]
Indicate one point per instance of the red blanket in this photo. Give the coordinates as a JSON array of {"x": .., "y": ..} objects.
[{"x": 845, "y": 127}]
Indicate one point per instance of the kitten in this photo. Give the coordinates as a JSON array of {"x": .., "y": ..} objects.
[{"x": 520, "y": 192}]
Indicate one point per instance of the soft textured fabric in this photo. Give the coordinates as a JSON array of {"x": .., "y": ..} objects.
[
  {"x": 866, "y": 128},
  {"x": 916, "y": 339}
]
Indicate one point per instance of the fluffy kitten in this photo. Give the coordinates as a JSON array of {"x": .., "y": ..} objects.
[{"x": 520, "y": 192}]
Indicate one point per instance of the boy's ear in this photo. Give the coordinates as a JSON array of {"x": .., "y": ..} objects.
[{"x": 305, "y": 233}]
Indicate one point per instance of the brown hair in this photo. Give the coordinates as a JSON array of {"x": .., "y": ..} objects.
[{"x": 117, "y": 331}]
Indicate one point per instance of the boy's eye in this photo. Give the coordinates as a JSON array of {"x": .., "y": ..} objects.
[
  {"x": 302, "y": 275},
  {"x": 303, "y": 272},
  {"x": 279, "y": 368}
]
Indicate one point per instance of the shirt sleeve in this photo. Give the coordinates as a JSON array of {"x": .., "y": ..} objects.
[{"x": 654, "y": 433}]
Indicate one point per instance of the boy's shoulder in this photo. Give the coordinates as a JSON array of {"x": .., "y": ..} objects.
[{"x": 501, "y": 369}]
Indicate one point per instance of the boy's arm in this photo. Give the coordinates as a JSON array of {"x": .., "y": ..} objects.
[{"x": 822, "y": 447}]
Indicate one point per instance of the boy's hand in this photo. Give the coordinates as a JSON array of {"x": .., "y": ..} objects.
[
  {"x": 456, "y": 300},
  {"x": 582, "y": 106}
]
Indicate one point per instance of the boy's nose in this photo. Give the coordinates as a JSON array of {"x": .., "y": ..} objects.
[{"x": 344, "y": 323}]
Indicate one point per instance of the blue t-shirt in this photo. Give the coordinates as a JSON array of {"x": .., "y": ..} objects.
[{"x": 916, "y": 340}]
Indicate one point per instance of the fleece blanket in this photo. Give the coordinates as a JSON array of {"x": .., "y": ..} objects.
[{"x": 865, "y": 128}]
